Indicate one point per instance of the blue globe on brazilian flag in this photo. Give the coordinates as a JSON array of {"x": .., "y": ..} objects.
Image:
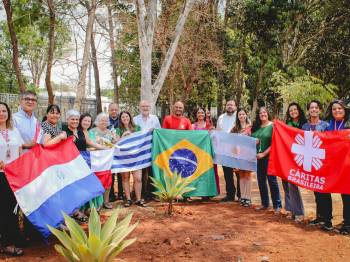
[{"x": 188, "y": 153}]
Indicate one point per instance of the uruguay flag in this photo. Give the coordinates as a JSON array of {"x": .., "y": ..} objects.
[
  {"x": 50, "y": 180},
  {"x": 100, "y": 162},
  {"x": 133, "y": 152}
]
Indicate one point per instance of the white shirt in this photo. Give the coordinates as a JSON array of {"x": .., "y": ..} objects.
[
  {"x": 151, "y": 121},
  {"x": 226, "y": 122},
  {"x": 15, "y": 142}
]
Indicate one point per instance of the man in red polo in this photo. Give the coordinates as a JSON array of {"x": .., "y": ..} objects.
[{"x": 177, "y": 120}]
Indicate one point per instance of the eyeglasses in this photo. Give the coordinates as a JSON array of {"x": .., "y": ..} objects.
[{"x": 27, "y": 99}]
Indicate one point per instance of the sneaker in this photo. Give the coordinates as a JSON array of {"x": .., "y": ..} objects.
[
  {"x": 344, "y": 230},
  {"x": 226, "y": 199},
  {"x": 141, "y": 203},
  {"x": 327, "y": 226},
  {"x": 316, "y": 222},
  {"x": 277, "y": 211},
  {"x": 247, "y": 203},
  {"x": 128, "y": 203},
  {"x": 242, "y": 201}
]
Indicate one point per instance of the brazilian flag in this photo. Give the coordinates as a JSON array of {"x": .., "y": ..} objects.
[{"x": 188, "y": 153}]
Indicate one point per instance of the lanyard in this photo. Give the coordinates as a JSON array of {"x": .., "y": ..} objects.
[{"x": 335, "y": 125}]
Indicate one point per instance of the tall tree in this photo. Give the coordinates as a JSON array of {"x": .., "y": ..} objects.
[
  {"x": 96, "y": 75},
  {"x": 113, "y": 50},
  {"x": 50, "y": 50},
  {"x": 146, "y": 21},
  {"x": 91, "y": 9},
  {"x": 14, "y": 42}
]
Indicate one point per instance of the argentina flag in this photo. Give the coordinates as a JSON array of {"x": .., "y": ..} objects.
[{"x": 133, "y": 152}]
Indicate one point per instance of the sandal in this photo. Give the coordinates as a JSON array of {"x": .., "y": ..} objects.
[
  {"x": 141, "y": 203},
  {"x": 80, "y": 217},
  {"x": 107, "y": 206},
  {"x": 128, "y": 203},
  {"x": 12, "y": 251}
]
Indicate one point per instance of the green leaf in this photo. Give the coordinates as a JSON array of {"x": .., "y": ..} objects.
[
  {"x": 66, "y": 253},
  {"x": 94, "y": 245},
  {"x": 110, "y": 225},
  {"x": 77, "y": 233},
  {"x": 94, "y": 223}
]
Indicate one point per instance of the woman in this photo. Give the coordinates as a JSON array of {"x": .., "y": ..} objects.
[
  {"x": 338, "y": 116},
  {"x": 262, "y": 130},
  {"x": 314, "y": 123},
  {"x": 204, "y": 122},
  {"x": 243, "y": 127},
  {"x": 85, "y": 123},
  {"x": 126, "y": 127},
  {"x": 295, "y": 117},
  {"x": 52, "y": 134},
  {"x": 10, "y": 149},
  {"x": 104, "y": 137}
]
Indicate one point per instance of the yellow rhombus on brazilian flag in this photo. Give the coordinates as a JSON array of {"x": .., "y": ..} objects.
[{"x": 188, "y": 153}]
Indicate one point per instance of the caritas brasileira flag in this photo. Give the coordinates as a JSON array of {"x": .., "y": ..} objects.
[
  {"x": 319, "y": 161},
  {"x": 50, "y": 180}
]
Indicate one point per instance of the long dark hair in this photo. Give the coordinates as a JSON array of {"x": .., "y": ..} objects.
[
  {"x": 131, "y": 123},
  {"x": 205, "y": 115},
  {"x": 257, "y": 122},
  {"x": 9, "y": 118},
  {"x": 329, "y": 115},
  {"x": 82, "y": 118},
  {"x": 51, "y": 109},
  {"x": 238, "y": 127},
  {"x": 301, "y": 120}
]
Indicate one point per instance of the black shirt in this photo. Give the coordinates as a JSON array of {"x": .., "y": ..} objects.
[{"x": 79, "y": 139}]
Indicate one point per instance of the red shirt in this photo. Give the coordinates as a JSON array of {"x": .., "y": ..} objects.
[{"x": 178, "y": 123}]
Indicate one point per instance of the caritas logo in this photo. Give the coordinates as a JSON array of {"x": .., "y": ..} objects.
[{"x": 308, "y": 155}]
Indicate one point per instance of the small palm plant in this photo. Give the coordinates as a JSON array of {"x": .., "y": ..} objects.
[
  {"x": 174, "y": 187},
  {"x": 102, "y": 244}
]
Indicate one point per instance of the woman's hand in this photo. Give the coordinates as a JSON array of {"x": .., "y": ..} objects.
[
  {"x": 63, "y": 135},
  {"x": 126, "y": 133},
  {"x": 260, "y": 156},
  {"x": 2, "y": 164}
]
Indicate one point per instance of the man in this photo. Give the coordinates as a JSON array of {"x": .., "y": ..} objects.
[
  {"x": 146, "y": 121},
  {"x": 225, "y": 123},
  {"x": 29, "y": 128},
  {"x": 113, "y": 112},
  {"x": 25, "y": 121},
  {"x": 177, "y": 120}
]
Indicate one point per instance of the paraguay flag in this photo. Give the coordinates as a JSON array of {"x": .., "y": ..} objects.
[
  {"x": 100, "y": 162},
  {"x": 188, "y": 153},
  {"x": 50, "y": 180}
]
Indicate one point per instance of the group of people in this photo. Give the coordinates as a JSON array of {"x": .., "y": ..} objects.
[{"x": 22, "y": 130}]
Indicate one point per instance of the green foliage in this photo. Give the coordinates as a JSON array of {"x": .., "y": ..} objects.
[
  {"x": 302, "y": 89},
  {"x": 102, "y": 244},
  {"x": 174, "y": 187}
]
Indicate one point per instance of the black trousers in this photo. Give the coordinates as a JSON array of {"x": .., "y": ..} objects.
[
  {"x": 230, "y": 186},
  {"x": 346, "y": 209},
  {"x": 324, "y": 206},
  {"x": 120, "y": 186},
  {"x": 147, "y": 187},
  {"x": 9, "y": 227}
]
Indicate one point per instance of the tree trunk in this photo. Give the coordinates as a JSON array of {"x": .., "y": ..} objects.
[
  {"x": 50, "y": 51},
  {"x": 146, "y": 19},
  {"x": 96, "y": 76},
  {"x": 112, "y": 46},
  {"x": 257, "y": 88},
  {"x": 84, "y": 66},
  {"x": 14, "y": 42}
]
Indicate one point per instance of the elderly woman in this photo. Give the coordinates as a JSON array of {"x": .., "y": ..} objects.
[
  {"x": 107, "y": 138},
  {"x": 10, "y": 149}
]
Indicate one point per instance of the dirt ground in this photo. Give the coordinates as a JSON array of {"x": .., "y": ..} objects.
[{"x": 213, "y": 231}]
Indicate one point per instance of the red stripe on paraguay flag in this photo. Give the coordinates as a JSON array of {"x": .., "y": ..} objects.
[
  {"x": 51, "y": 180},
  {"x": 100, "y": 162}
]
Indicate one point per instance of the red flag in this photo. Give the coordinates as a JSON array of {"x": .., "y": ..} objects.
[{"x": 319, "y": 161}]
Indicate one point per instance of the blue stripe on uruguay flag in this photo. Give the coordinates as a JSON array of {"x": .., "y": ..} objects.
[
  {"x": 133, "y": 152},
  {"x": 86, "y": 156}
]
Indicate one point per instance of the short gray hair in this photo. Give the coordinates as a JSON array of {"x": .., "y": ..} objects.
[
  {"x": 99, "y": 116},
  {"x": 72, "y": 112}
]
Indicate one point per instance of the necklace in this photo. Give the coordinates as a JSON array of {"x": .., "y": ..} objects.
[{"x": 5, "y": 136}]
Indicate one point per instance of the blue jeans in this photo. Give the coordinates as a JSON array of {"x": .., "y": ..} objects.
[
  {"x": 272, "y": 180},
  {"x": 293, "y": 200}
]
